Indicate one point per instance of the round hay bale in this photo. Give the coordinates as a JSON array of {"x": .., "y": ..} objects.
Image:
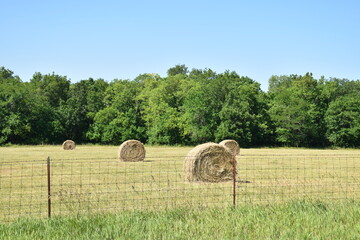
[
  {"x": 69, "y": 145},
  {"x": 209, "y": 162},
  {"x": 232, "y": 145},
  {"x": 132, "y": 151}
]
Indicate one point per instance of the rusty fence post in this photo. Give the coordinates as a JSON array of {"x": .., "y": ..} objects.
[
  {"x": 49, "y": 187},
  {"x": 234, "y": 183}
]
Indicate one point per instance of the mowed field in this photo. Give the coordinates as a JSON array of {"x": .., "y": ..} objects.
[{"x": 91, "y": 179}]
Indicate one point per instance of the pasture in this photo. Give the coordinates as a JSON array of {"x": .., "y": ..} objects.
[{"x": 91, "y": 180}]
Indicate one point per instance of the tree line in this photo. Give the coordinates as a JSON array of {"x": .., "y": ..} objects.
[{"x": 186, "y": 107}]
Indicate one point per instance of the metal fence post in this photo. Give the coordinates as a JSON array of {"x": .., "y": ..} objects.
[
  {"x": 49, "y": 187},
  {"x": 234, "y": 183}
]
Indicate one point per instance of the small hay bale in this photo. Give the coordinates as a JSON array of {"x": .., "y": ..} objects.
[
  {"x": 232, "y": 145},
  {"x": 209, "y": 162},
  {"x": 131, "y": 151},
  {"x": 69, "y": 145}
]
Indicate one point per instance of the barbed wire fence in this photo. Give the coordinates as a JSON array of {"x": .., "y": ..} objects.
[{"x": 68, "y": 187}]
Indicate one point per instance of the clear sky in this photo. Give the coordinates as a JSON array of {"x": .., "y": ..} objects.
[{"x": 122, "y": 39}]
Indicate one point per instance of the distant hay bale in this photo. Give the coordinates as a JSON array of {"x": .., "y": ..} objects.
[
  {"x": 131, "y": 151},
  {"x": 232, "y": 145},
  {"x": 69, "y": 145},
  {"x": 209, "y": 162}
]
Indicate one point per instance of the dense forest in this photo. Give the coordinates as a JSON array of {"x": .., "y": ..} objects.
[{"x": 186, "y": 107}]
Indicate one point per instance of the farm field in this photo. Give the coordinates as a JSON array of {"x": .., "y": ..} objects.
[{"x": 91, "y": 180}]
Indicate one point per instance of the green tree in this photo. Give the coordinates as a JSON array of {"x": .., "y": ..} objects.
[
  {"x": 52, "y": 93},
  {"x": 201, "y": 106},
  {"x": 14, "y": 108},
  {"x": 42, "y": 119},
  {"x": 85, "y": 99},
  {"x": 243, "y": 115},
  {"x": 220, "y": 106},
  {"x": 178, "y": 69},
  {"x": 95, "y": 97},
  {"x": 120, "y": 120},
  {"x": 343, "y": 121},
  {"x": 162, "y": 99},
  {"x": 54, "y": 87},
  {"x": 297, "y": 110}
]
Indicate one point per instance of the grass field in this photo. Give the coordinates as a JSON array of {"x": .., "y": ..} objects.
[
  {"x": 91, "y": 180},
  {"x": 292, "y": 220}
]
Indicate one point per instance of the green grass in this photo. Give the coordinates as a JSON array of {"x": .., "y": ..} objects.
[{"x": 292, "y": 220}]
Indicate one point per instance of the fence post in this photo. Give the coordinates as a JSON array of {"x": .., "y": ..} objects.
[
  {"x": 234, "y": 183},
  {"x": 49, "y": 187}
]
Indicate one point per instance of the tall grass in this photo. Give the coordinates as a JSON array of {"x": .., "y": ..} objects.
[{"x": 292, "y": 220}]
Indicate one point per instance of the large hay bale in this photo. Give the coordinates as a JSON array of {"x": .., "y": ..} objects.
[
  {"x": 131, "y": 151},
  {"x": 69, "y": 145},
  {"x": 232, "y": 145},
  {"x": 209, "y": 162}
]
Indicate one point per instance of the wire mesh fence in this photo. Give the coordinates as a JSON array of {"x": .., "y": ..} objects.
[
  {"x": 280, "y": 178},
  {"x": 63, "y": 187}
]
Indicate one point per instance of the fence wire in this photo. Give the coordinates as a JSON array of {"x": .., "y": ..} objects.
[
  {"x": 86, "y": 186},
  {"x": 282, "y": 178}
]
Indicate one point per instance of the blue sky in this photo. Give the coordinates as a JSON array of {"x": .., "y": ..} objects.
[{"x": 122, "y": 39}]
